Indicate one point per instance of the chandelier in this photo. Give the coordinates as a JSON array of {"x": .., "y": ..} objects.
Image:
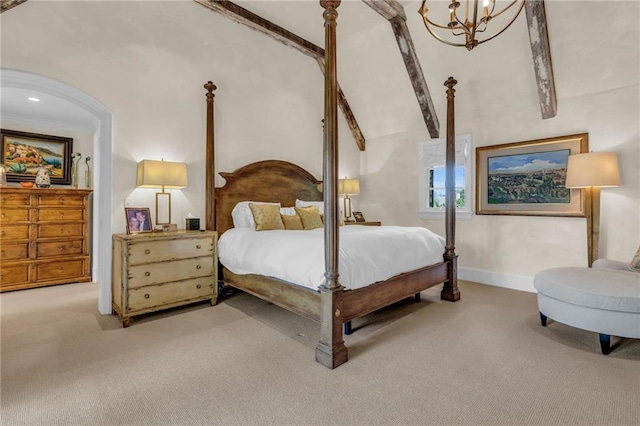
[{"x": 475, "y": 20}]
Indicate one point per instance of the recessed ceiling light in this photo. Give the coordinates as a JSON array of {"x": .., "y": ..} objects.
[{"x": 32, "y": 99}]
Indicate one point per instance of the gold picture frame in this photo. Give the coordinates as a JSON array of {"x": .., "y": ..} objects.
[
  {"x": 527, "y": 178},
  {"x": 138, "y": 220}
]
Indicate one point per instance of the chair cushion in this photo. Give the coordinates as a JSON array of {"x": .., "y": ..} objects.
[{"x": 595, "y": 288}]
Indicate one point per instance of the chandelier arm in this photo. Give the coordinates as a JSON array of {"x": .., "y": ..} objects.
[
  {"x": 437, "y": 37},
  {"x": 508, "y": 7},
  {"x": 502, "y": 30}
]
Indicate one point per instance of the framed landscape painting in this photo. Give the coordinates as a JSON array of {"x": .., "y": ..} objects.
[
  {"x": 528, "y": 178},
  {"x": 23, "y": 154}
]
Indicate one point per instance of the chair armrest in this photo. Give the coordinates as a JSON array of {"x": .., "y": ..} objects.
[{"x": 611, "y": 264}]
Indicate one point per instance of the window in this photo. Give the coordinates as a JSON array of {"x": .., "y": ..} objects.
[{"x": 432, "y": 156}]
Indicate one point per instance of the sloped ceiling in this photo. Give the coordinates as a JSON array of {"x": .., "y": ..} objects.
[{"x": 373, "y": 77}]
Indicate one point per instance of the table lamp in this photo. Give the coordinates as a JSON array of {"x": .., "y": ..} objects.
[
  {"x": 165, "y": 175},
  {"x": 348, "y": 187},
  {"x": 592, "y": 171}
]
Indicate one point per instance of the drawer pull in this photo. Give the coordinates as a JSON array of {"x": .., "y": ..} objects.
[
  {"x": 199, "y": 267},
  {"x": 146, "y": 296},
  {"x": 2, "y": 253},
  {"x": 61, "y": 200},
  {"x": 3, "y": 233},
  {"x": 3, "y": 215},
  {"x": 198, "y": 246},
  {"x": 60, "y": 248},
  {"x": 61, "y": 214},
  {"x": 199, "y": 286},
  {"x": 60, "y": 270},
  {"x": 147, "y": 274},
  {"x": 147, "y": 251}
]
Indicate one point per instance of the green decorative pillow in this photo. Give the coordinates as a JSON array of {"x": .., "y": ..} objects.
[
  {"x": 266, "y": 216},
  {"x": 292, "y": 222},
  {"x": 635, "y": 262},
  {"x": 310, "y": 217}
]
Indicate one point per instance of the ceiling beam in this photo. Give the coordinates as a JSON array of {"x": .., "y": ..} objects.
[
  {"x": 539, "y": 38},
  {"x": 9, "y": 4},
  {"x": 393, "y": 11},
  {"x": 276, "y": 32}
]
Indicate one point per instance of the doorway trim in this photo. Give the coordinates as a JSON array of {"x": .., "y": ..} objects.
[{"x": 102, "y": 150}]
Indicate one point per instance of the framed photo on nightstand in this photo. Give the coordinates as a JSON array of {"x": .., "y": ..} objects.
[{"x": 358, "y": 217}]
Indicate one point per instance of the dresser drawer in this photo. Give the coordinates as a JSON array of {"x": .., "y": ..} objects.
[
  {"x": 20, "y": 200},
  {"x": 162, "y": 272},
  {"x": 169, "y": 293},
  {"x": 14, "y": 251},
  {"x": 13, "y": 274},
  {"x": 60, "y": 248},
  {"x": 61, "y": 215},
  {"x": 67, "y": 269},
  {"x": 14, "y": 232},
  {"x": 52, "y": 200},
  {"x": 60, "y": 230},
  {"x": 14, "y": 215},
  {"x": 154, "y": 251}
]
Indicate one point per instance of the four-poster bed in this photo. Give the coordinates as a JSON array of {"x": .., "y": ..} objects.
[{"x": 278, "y": 181}]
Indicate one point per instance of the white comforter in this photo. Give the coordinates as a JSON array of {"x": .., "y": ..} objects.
[{"x": 368, "y": 254}]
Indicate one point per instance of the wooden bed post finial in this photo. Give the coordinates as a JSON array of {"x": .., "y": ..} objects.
[
  {"x": 210, "y": 178},
  {"x": 450, "y": 290}
]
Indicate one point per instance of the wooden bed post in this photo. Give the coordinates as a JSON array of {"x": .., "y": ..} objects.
[
  {"x": 450, "y": 290},
  {"x": 210, "y": 178},
  {"x": 331, "y": 351}
]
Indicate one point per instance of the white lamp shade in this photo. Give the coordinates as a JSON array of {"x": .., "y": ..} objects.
[
  {"x": 592, "y": 169},
  {"x": 348, "y": 186},
  {"x": 156, "y": 174}
]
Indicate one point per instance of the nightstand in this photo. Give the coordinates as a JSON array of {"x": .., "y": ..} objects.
[
  {"x": 155, "y": 271},
  {"x": 367, "y": 223}
]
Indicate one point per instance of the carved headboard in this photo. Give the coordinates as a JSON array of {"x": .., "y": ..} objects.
[{"x": 269, "y": 181}]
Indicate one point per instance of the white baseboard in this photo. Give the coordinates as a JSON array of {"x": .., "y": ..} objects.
[{"x": 512, "y": 281}]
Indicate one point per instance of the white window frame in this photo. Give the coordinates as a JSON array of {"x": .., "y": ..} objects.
[{"x": 431, "y": 154}]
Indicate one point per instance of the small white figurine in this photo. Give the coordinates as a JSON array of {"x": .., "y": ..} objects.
[{"x": 43, "y": 180}]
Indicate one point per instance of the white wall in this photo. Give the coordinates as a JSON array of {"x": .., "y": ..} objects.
[
  {"x": 597, "y": 85},
  {"x": 147, "y": 62}
]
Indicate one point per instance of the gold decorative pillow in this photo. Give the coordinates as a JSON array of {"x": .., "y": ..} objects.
[
  {"x": 266, "y": 216},
  {"x": 635, "y": 262},
  {"x": 310, "y": 217},
  {"x": 292, "y": 222}
]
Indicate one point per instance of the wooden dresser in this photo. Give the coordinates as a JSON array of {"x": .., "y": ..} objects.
[
  {"x": 44, "y": 237},
  {"x": 155, "y": 271}
]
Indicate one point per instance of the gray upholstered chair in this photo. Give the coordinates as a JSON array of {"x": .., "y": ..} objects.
[{"x": 604, "y": 299}]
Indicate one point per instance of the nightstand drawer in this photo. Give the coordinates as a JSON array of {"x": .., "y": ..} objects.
[
  {"x": 14, "y": 251},
  {"x": 61, "y": 215},
  {"x": 155, "y": 251},
  {"x": 162, "y": 272},
  {"x": 164, "y": 294}
]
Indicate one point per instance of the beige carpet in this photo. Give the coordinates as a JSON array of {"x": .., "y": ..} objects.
[{"x": 482, "y": 361}]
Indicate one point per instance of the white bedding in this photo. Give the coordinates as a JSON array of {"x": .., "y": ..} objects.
[{"x": 368, "y": 254}]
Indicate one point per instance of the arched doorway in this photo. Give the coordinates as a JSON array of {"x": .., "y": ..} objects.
[{"x": 101, "y": 220}]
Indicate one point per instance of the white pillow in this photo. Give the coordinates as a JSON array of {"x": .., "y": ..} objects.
[
  {"x": 242, "y": 216},
  {"x": 287, "y": 211},
  {"x": 319, "y": 204}
]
